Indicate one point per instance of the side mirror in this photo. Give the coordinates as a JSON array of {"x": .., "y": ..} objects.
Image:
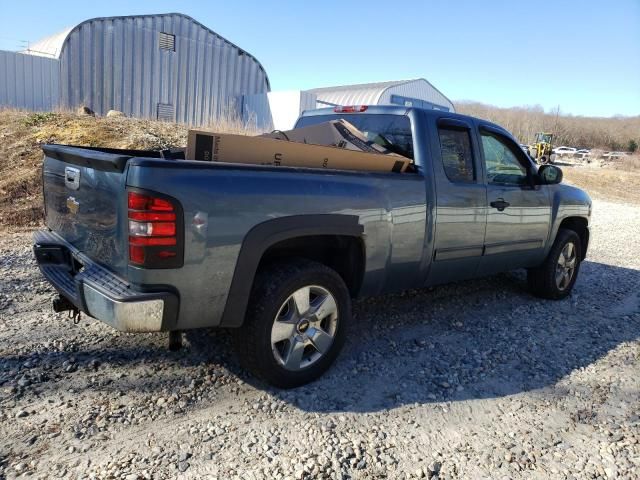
[{"x": 550, "y": 174}]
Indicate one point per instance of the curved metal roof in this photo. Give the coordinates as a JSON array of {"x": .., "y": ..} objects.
[
  {"x": 360, "y": 94},
  {"x": 375, "y": 93},
  {"x": 52, "y": 45}
]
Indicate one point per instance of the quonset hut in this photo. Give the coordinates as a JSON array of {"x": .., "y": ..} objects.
[
  {"x": 410, "y": 93},
  {"x": 280, "y": 110},
  {"x": 165, "y": 66}
]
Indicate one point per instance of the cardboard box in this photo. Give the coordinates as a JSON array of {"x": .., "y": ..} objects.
[
  {"x": 334, "y": 133},
  {"x": 222, "y": 147}
]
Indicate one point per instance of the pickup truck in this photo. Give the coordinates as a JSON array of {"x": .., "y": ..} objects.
[{"x": 276, "y": 254}]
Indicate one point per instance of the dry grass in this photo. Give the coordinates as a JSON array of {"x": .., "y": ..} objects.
[
  {"x": 609, "y": 182},
  {"x": 22, "y": 134}
]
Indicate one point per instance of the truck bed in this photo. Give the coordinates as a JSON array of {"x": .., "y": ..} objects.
[{"x": 220, "y": 204}]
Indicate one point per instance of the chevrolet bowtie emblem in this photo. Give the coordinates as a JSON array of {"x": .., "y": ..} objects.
[{"x": 73, "y": 205}]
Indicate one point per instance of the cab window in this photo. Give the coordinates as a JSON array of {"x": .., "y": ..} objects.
[
  {"x": 502, "y": 163},
  {"x": 457, "y": 160}
]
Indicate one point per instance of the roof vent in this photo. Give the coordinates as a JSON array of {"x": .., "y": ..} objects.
[{"x": 167, "y": 41}]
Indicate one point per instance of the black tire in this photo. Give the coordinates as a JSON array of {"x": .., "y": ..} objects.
[
  {"x": 542, "y": 280},
  {"x": 272, "y": 287}
]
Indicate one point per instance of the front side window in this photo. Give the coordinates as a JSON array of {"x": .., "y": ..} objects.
[
  {"x": 502, "y": 164},
  {"x": 455, "y": 148}
]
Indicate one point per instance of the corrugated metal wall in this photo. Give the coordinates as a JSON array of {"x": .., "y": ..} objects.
[
  {"x": 117, "y": 63},
  {"x": 420, "y": 89},
  {"x": 28, "y": 82},
  {"x": 256, "y": 112}
]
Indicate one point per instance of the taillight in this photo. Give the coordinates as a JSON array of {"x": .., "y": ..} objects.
[
  {"x": 155, "y": 230},
  {"x": 351, "y": 109}
]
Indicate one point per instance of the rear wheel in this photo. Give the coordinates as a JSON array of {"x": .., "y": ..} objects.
[
  {"x": 555, "y": 278},
  {"x": 295, "y": 323}
]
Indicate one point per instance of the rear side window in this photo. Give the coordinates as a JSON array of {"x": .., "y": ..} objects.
[
  {"x": 393, "y": 132},
  {"x": 457, "y": 159}
]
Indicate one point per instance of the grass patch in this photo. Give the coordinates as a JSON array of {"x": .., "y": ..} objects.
[{"x": 38, "y": 118}]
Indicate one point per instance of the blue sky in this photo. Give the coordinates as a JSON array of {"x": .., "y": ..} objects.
[{"x": 581, "y": 55}]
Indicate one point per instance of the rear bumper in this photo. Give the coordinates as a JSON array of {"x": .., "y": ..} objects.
[{"x": 99, "y": 293}]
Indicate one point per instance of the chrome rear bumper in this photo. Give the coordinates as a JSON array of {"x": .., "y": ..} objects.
[{"x": 101, "y": 294}]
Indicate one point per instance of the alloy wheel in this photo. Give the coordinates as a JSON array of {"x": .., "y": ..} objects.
[
  {"x": 304, "y": 328},
  {"x": 566, "y": 266}
]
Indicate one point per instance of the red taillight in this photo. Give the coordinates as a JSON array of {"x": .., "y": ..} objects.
[
  {"x": 151, "y": 241},
  {"x": 141, "y": 201},
  {"x": 153, "y": 231},
  {"x": 152, "y": 216},
  {"x": 351, "y": 109},
  {"x": 136, "y": 254}
]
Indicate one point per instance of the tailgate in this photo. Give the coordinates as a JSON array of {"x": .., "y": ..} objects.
[{"x": 84, "y": 195}]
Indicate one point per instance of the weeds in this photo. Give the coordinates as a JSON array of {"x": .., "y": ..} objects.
[{"x": 39, "y": 118}]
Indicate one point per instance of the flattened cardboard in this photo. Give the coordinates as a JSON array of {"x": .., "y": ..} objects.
[{"x": 222, "y": 147}]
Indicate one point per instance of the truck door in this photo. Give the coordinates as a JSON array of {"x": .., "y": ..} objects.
[
  {"x": 461, "y": 200},
  {"x": 518, "y": 213}
]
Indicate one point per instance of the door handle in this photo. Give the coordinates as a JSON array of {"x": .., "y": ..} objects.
[{"x": 500, "y": 204}]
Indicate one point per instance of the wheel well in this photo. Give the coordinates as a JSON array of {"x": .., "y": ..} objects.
[
  {"x": 342, "y": 253},
  {"x": 578, "y": 225}
]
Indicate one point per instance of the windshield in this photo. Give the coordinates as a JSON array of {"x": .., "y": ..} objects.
[
  {"x": 543, "y": 138},
  {"x": 390, "y": 131}
]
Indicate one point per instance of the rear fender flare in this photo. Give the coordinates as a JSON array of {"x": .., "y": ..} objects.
[{"x": 266, "y": 234}]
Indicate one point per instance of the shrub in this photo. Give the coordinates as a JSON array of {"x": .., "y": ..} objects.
[{"x": 38, "y": 118}]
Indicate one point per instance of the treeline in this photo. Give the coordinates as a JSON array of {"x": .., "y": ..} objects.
[{"x": 614, "y": 133}]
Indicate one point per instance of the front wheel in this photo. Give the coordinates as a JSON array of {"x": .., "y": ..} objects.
[
  {"x": 295, "y": 324},
  {"x": 555, "y": 278}
]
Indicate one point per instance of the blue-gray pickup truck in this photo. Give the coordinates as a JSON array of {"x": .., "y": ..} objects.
[{"x": 147, "y": 243}]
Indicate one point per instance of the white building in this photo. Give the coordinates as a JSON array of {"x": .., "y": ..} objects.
[
  {"x": 279, "y": 110},
  {"x": 411, "y": 93},
  {"x": 276, "y": 110}
]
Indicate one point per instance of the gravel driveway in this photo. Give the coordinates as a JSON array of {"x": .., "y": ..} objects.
[{"x": 475, "y": 380}]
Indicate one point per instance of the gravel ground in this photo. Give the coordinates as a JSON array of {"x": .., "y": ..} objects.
[{"x": 473, "y": 380}]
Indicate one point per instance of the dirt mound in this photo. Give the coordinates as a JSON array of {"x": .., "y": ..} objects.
[{"x": 23, "y": 133}]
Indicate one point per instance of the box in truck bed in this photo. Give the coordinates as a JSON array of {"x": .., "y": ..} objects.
[{"x": 275, "y": 149}]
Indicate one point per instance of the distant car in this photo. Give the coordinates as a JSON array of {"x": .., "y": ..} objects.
[
  {"x": 612, "y": 155},
  {"x": 582, "y": 154},
  {"x": 564, "y": 151}
]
